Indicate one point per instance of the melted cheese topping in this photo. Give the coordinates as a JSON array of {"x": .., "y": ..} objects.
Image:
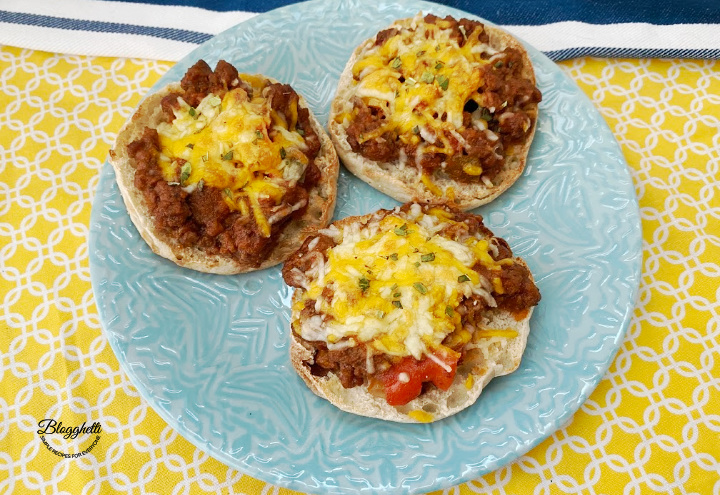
[
  {"x": 417, "y": 77},
  {"x": 396, "y": 283},
  {"x": 235, "y": 144}
]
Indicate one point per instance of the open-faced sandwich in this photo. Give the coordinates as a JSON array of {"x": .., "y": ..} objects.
[
  {"x": 406, "y": 314},
  {"x": 436, "y": 110},
  {"x": 225, "y": 172}
]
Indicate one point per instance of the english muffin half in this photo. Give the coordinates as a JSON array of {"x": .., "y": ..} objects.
[
  {"x": 437, "y": 110},
  {"x": 225, "y": 172},
  {"x": 406, "y": 314}
]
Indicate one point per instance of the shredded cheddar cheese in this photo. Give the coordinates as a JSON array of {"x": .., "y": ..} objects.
[
  {"x": 422, "y": 79},
  {"x": 396, "y": 284},
  {"x": 421, "y": 416},
  {"x": 238, "y": 145}
]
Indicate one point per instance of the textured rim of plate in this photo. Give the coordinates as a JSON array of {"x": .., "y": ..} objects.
[{"x": 271, "y": 472}]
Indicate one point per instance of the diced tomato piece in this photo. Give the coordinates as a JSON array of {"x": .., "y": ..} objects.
[{"x": 401, "y": 390}]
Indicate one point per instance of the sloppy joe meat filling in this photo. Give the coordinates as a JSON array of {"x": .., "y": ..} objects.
[
  {"x": 518, "y": 295},
  {"x": 200, "y": 216}
]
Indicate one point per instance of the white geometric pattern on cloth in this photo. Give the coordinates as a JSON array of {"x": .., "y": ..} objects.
[{"x": 651, "y": 426}]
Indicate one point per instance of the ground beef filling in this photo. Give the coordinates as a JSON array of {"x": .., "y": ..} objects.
[
  {"x": 349, "y": 364},
  {"x": 507, "y": 102},
  {"x": 201, "y": 219}
]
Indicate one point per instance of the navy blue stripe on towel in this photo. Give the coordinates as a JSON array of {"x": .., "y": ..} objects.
[{"x": 102, "y": 27}]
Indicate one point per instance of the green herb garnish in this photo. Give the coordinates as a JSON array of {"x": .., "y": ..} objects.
[
  {"x": 427, "y": 77},
  {"x": 443, "y": 82},
  {"x": 364, "y": 284},
  {"x": 420, "y": 288},
  {"x": 397, "y": 304},
  {"x": 397, "y": 294},
  {"x": 439, "y": 66},
  {"x": 401, "y": 231},
  {"x": 228, "y": 192},
  {"x": 396, "y": 63},
  {"x": 228, "y": 155},
  {"x": 427, "y": 257},
  {"x": 259, "y": 134},
  {"x": 449, "y": 311},
  {"x": 283, "y": 153},
  {"x": 192, "y": 112},
  {"x": 201, "y": 184},
  {"x": 185, "y": 172},
  {"x": 190, "y": 145},
  {"x": 463, "y": 278},
  {"x": 393, "y": 257}
]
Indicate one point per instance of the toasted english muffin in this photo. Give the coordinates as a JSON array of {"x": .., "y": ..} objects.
[
  {"x": 436, "y": 110},
  {"x": 406, "y": 314},
  {"x": 224, "y": 172}
]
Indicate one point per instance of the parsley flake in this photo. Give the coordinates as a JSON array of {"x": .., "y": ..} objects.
[
  {"x": 427, "y": 77},
  {"x": 190, "y": 145},
  {"x": 443, "y": 82},
  {"x": 439, "y": 66},
  {"x": 402, "y": 231},
  {"x": 192, "y": 112},
  {"x": 228, "y": 155},
  {"x": 396, "y": 63},
  {"x": 463, "y": 278},
  {"x": 364, "y": 284},
  {"x": 427, "y": 257},
  {"x": 397, "y": 304},
  {"x": 283, "y": 153},
  {"x": 449, "y": 311},
  {"x": 420, "y": 288},
  {"x": 394, "y": 257},
  {"x": 185, "y": 172}
]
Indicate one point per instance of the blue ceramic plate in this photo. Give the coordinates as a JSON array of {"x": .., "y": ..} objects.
[{"x": 210, "y": 353}]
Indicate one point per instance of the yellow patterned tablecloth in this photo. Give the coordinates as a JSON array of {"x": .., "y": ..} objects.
[{"x": 651, "y": 426}]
